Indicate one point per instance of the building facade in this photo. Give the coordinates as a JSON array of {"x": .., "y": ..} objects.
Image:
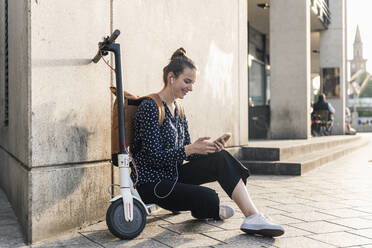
[
  {"x": 56, "y": 105},
  {"x": 293, "y": 44}
]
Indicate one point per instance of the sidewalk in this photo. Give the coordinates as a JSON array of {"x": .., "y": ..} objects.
[{"x": 330, "y": 206}]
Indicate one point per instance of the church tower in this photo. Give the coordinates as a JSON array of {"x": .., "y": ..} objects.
[{"x": 357, "y": 63}]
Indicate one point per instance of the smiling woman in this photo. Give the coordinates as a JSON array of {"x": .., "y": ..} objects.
[{"x": 159, "y": 152}]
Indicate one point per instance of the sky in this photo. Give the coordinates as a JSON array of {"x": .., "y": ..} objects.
[{"x": 359, "y": 12}]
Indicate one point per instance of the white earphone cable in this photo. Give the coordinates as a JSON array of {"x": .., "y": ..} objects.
[{"x": 174, "y": 184}]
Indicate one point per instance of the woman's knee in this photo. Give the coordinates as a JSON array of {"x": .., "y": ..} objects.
[
  {"x": 207, "y": 204},
  {"x": 220, "y": 156},
  {"x": 208, "y": 197}
]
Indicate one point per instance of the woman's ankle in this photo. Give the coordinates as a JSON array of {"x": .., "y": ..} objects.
[{"x": 250, "y": 213}]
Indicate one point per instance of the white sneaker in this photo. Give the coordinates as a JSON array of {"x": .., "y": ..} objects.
[
  {"x": 258, "y": 224},
  {"x": 226, "y": 212}
]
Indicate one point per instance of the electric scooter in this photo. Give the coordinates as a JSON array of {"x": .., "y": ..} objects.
[{"x": 126, "y": 216}]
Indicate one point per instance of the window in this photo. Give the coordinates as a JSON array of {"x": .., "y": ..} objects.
[
  {"x": 258, "y": 60},
  {"x": 257, "y": 83}
]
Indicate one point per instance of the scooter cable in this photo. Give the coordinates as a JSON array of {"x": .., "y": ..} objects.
[
  {"x": 112, "y": 68},
  {"x": 134, "y": 164}
]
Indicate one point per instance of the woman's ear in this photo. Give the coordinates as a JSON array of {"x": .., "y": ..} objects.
[{"x": 170, "y": 77}]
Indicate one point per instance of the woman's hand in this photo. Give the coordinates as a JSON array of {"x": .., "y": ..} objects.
[
  {"x": 221, "y": 142},
  {"x": 218, "y": 145},
  {"x": 200, "y": 146}
]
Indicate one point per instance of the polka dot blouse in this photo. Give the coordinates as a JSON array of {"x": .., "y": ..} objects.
[{"x": 157, "y": 150}]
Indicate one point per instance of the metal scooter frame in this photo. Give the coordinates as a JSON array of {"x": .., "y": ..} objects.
[{"x": 127, "y": 192}]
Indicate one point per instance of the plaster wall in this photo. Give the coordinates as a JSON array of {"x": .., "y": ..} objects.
[
  {"x": 290, "y": 69},
  {"x": 333, "y": 54},
  {"x": 214, "y": 36}
]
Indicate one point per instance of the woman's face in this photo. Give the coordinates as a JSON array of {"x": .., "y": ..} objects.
[{"x": 183, "y": 84}]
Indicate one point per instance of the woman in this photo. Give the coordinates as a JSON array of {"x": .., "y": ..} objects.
[{"x": 159, "y": 152}]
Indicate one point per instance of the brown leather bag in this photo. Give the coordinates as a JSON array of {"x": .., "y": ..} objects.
[{"x": 131, "y": 103}]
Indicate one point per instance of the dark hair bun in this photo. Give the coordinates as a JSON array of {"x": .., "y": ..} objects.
[
  {"x": 180, "y": 52},
  {"x": 178, "y": 62}
]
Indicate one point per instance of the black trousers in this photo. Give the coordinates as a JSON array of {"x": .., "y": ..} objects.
[{"x": 187, "y": 193}]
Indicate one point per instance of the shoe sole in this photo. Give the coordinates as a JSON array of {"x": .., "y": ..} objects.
[{"x": 268, "y": 232}]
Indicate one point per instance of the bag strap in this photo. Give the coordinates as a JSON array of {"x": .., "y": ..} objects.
[
  {"x": 156, "y": 98},
  {"x": 127, "y": 95},
  {"x": 180, "y": 111},
  {"x": 113, "y": 90}
]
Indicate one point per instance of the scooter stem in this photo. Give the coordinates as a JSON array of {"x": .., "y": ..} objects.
[
  {"x": 123, "y": 157},
  {"x": 115, "y": 48}
]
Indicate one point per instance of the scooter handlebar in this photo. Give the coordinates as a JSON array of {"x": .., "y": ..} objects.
[
  {"x": 106, "y": 41},
  {"x": 113, "y": 36}
]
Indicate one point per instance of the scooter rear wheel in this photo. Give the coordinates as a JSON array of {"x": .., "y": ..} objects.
[{"x": 117, "y": 224}]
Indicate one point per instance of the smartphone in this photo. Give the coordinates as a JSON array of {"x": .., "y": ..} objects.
[{"x": 224, "y": 137}]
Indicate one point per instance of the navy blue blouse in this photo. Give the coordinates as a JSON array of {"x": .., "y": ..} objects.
[{"x": 157, "y": 150}]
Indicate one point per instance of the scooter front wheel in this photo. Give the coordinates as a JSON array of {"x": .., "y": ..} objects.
[{"x": 117, "y": 224}]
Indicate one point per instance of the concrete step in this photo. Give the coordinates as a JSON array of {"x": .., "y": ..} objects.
[
  {"x": 302, "y": 163},
  {"x": 279, "y": 150}
]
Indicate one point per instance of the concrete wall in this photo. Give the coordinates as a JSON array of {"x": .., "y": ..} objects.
[
  {"x": 290, "y": 69},
  {"x": 14, "y": 180},
  {"x": 14, "y": 138},
  {"x": 333, "y": 54},
  {"x": 2, "y": 62},
  {"x": 67, "y": 197},
  {"x": 55, "y": 153},
  {"x": 71, "y": 116},
  {"x": 16, "y": 135},
  {"x": 214, "y": 36},
  {"x": 315, "y": 56},
  {"x": 70, "y": 96}
]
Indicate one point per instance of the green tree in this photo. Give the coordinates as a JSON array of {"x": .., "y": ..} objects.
[{"x": 367, "y": 91}]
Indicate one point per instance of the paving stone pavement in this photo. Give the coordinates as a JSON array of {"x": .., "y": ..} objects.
[{"x": 328, "y": 207}]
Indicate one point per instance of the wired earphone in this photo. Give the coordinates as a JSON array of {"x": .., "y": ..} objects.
[{"x": 174, "y": 184}]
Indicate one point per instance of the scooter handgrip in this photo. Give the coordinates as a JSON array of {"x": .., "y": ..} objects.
[
  {"x": 113, "y": 36},
  {"x": 107, "y": 41},
  {"x": 97, "y": 57}
]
